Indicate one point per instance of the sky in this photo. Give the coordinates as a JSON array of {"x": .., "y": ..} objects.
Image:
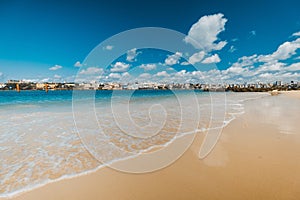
[{"x": 252, "y": 41}]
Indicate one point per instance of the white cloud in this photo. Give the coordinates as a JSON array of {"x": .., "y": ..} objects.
[
  {"x": 172, "y": 69},
  {"x": 91, "y": 71},
  {"x": 181, "y": 73},
  {"x": 162, "y": 73},
  {"x": 31, "y": 80},
  {"x": 45, "y": 80},
  {"x": 203, "y": 34},
  {"x": 235, "y": 70},
  {"x": 265, "y": 75},
  {"x": 284, "y": 51},
  {"x": 265, "y": 68},
  {"x": 255, "y": 68},
  {"x": 125, "y": 74},
  {"x": 57, "y": 76},
  {"x": 269, "y": 67},
  {"x": 232, "y": 49},
  {"x": 108, "y": 47},
  {"x": 197, "y": 57},
  {"x": 148, "y": 67},
  {"x": 114, "y": 75},
  {"x": 78, "y": 64},
  {"x": 131, "y": 55},
  {"x": 55, "y": 67},
  {"x": 293, "y": 67},
  {"x": 296, "y": 34},
  {"x": 212, "y": 59},
  {"x": 242, "y": 66},
  {"x": 173, "y": 59},
  {"x": 145, "y": 75},
  {"x": 185, "y": 63},
  {"x": 119, "y": 67}
]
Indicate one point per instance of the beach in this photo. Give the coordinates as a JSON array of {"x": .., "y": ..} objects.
[{"x": 256, "y": 157}]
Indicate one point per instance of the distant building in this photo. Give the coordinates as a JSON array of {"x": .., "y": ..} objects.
[
  {"x": 2, "y": 85},
  {"x": 88, "y": 86},
  {"x": 40, "y": 86},
  {"x": 133, "y": 86},
  {"x": 13, "y": 81},
  {"x": 278, "y": 83},
  {"x": 70, "y": 85},
  {"x": 107, "y": 87},
  {"x": 52, "y": 86}
]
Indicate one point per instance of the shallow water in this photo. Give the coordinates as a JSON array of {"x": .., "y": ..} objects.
[{"x": 42, "y": 135}]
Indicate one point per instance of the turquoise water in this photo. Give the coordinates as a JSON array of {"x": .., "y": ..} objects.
[
  {"x": 34, "y": 101},
  {"x": 40, "y": 97}
]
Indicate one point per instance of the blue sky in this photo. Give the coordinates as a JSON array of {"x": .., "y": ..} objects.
[{"x": 42, "y": 40}]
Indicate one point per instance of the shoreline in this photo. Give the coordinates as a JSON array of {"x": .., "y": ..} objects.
[
  {"x": 189, "y": 157},
  {"x": 71, "y": 176}
]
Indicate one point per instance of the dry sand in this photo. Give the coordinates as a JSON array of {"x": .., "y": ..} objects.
[
  {"x": 257, "y": 157},
  {"x": 292, "y": 93}
]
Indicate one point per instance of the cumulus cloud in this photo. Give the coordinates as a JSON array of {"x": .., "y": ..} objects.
[
  {"x": 173, "y": 59},
  {"x": 203, "y": 34},
  {"x": 55, "y": 67},
  {"x": 269, "y": 67},
  {"x": 148, "y": 67},
  {"x": 212, "y": 59},
  {"x": 296, "y": 34},
  {"x": 108, "y": 47},
  {"x": 196, "y": 57},
  {"x": 119, "y": 67},
  {"x": 131, "y": 55},
  {"x": 114, "y": 76},
  {"x": 162, "y": 73},
  {"x": 242, "y": 64},
  {"x": 185, "y": 63},
  {"x": 266, "y": 68},
  {"x": 91, "y": 71},
  {"x": 293, "y": 67},
  {"x": 144, "y": 76},
  {"x": 236, "y": 70},
  {"x": 78, "y": 64},
  {"x": 57, "y": 76},
  {"x": 125, "y": 74},
  {"x": 181, "y": 73},
  {"x": 266, "y": 75},
  {"x": 45, "y": 80},
  {"x": 284, "y": 51}
]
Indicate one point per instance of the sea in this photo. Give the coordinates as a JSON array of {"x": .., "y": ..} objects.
[{"x": 55, "y": 135}]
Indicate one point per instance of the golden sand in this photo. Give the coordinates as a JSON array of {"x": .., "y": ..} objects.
[
  {"x": 257, "y": 157},
  {"x": 293, "y": 93}
]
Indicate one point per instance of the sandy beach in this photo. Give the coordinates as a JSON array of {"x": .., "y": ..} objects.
[{"x": 257, "y": 157}]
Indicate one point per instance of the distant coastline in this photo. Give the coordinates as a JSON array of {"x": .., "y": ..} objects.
[{"x": 19, "y": 85}]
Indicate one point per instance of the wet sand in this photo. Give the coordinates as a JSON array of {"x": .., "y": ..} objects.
[{"x": 257, "y": 157}]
